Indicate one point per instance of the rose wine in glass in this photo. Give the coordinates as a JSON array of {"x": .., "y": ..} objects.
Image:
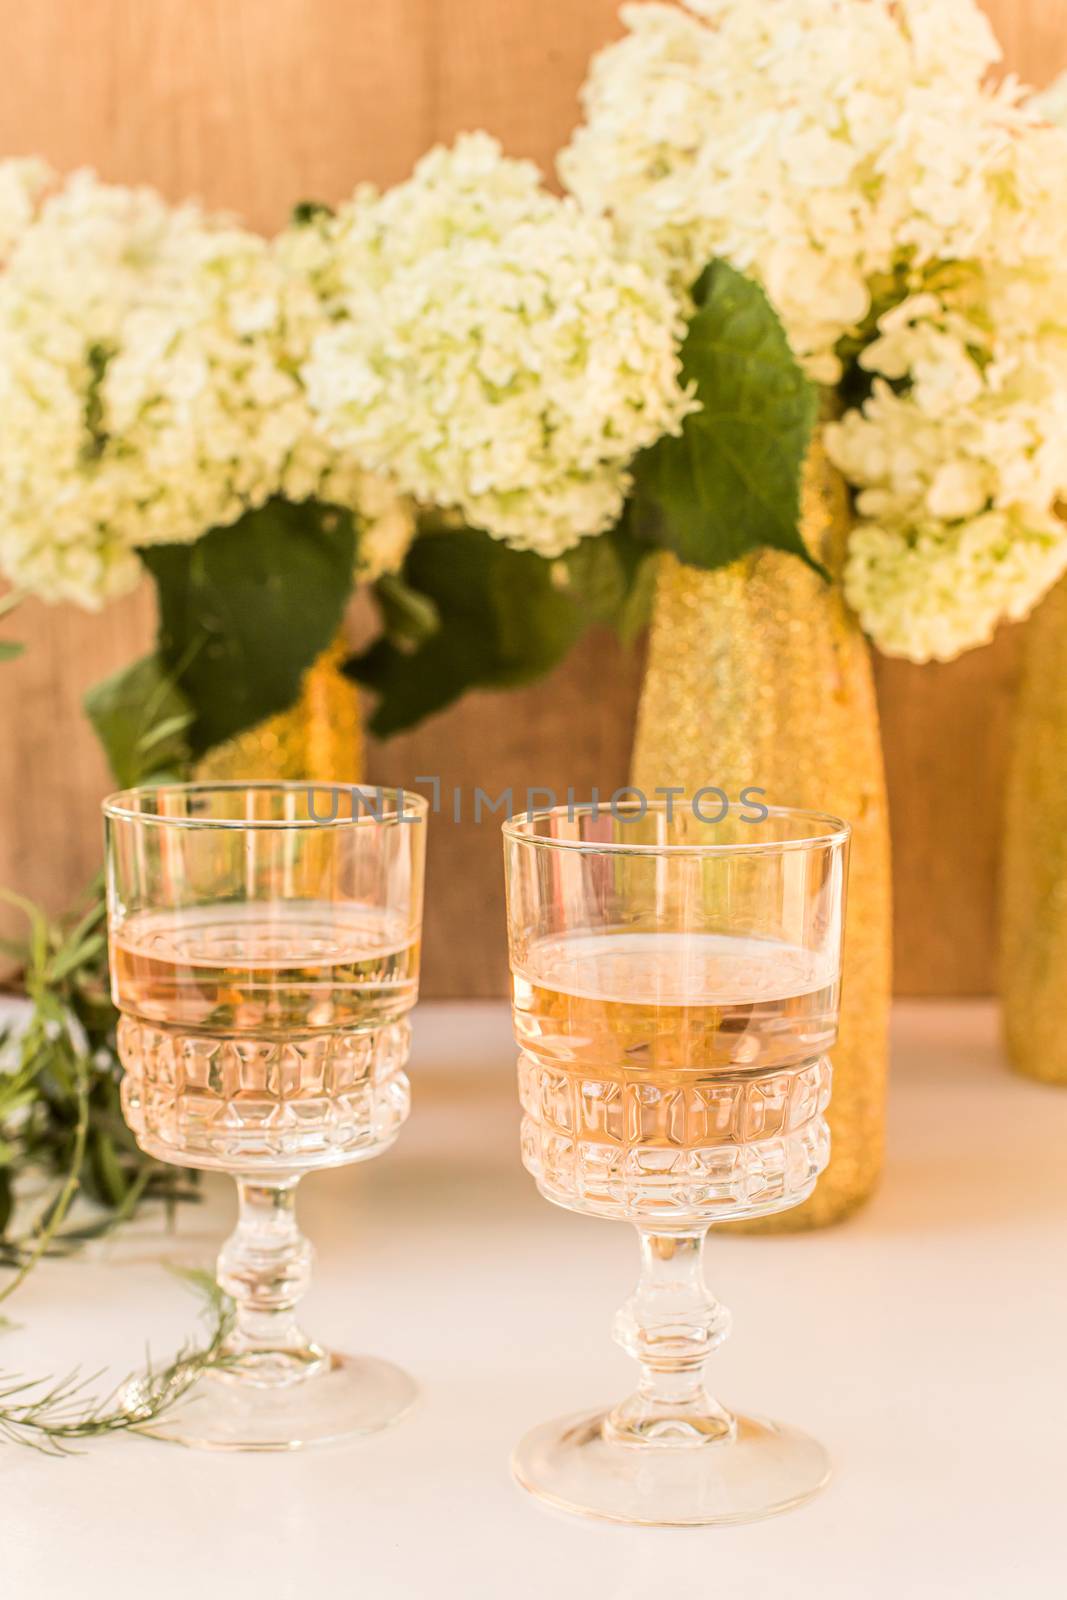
[
  {"x": 274, "y": 1013},
  {"x": 675, "y": 991},
  {"x": 264, "y": 947}
]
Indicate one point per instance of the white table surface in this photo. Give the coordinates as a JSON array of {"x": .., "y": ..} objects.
[{"x": 923, "y": 1342}]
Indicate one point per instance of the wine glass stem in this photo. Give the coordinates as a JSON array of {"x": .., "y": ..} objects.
[
  {"x": 265, "y": 1267},
  {"x": 670, "y": 1325}
]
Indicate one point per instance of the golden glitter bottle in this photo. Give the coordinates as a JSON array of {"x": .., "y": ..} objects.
[
  {"x": 1033, "y": 943},
  {"x": 320, "y": 738},
  {"x": 759, "y": 675}
]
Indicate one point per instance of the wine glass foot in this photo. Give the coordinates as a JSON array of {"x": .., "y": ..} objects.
[
  {"x": 766, "y": 1468},
  {"x": 353, "y": 1395}
]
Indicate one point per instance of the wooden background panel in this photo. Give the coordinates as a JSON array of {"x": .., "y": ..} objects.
[
  {"x": 514, "y": 67},
  {"x": 248, "y": 104},
  {"x": 251, "y": 104},
  {"x": 1033, "y": 34},
  {"x": 946, "y": 731}
]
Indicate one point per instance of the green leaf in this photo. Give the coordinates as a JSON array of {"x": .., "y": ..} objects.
[
  {"x": 10, "y": 649},
  {"x": 107, "y": 1180},
  {"x": 409, "y": 618},
  {"x": 140, "y": 717},
  {"x": 78, "y": 955},
  {"x": 731, "y": 481},
  {"x": 246, "y": 609},
  {"x": 636, "y": 613},
  {"x": 38, "y": 941},
  {"x": 308, "y": 211},
  {"x": 504, "y": 619},
  {"x": 612, "y": 578},
  {"x": 159, "y": 736}
]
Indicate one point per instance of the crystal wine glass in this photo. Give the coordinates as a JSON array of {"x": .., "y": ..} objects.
[
  {"x": 675, "y": 991},
  {"x": 264, "y": 948}
]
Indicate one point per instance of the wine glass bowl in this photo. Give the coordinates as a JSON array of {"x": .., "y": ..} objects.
[
  {"x": 212, "y": 1081},
  {"x": 645, "y": 1142},
  {"x": 264, "y": 953},
  {"x": 675, "y": 994}
]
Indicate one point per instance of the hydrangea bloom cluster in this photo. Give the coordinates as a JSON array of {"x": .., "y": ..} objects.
[
  {"x": 960, "y": 459},
  {"x": 489, "y": 349},
  {"x": 900, "y": 213},
  {"x": 22, "y": 182},
  {"x": 149, "y": 386}
]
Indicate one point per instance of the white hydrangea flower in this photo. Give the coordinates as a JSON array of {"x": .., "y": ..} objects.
[
  {"x": 22, "y": 182},
  {"x": 933, "y": 592},
  {"x": 1051, "y": 103},
  {"x": 964, "y": 461},
  {"x": 851, "y": 155},
  {"x": 388, "y": 527},
  {"x": 813, "y": 143},
  {"x": 149, "y": 388},
  {"x": 489, "y": 351}
]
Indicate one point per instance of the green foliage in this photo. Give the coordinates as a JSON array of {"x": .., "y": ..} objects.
[
  {"x": 59, "y": 1097},
  {"x": 612, "y": 579},
  {"x": 142, "y": 719},
  {"x": 10, "y": 648},
  {"x": 408, "y": 618},
  {"x": 54, "y": 1416},
  {"x": 731, "y": 481},
  {"x": 245, "y": 610},
  {"x": 98, "y": 359},
  {"x": 309, "y": 211},
  {"x": 492, "y": 618}
]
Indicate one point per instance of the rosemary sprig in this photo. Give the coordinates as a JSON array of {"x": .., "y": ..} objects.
[
  {"x": 53, "y": 1416},
  {"x": 59, "y": 1103},
  {"x": 54, "y": 1214}
]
